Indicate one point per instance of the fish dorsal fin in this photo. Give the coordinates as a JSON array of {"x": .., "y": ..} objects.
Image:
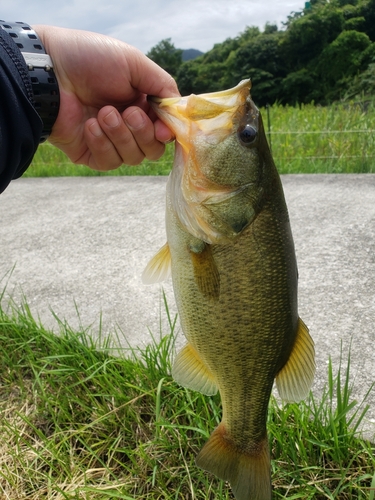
[
  {"x": 190, "y": 371},
  {"x": 159, "y": 267},
  {"x": 206, "y": 273},
  {"x": 294, "y": 380}
]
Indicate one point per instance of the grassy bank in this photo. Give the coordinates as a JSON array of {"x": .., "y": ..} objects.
[
  {"x": 51, "y": 162},
  {"x": 311, "y": 139},
  {"x": 77, "y": 422}
]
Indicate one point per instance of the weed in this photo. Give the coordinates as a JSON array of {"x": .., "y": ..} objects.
[{"x": 79, "y": 423}]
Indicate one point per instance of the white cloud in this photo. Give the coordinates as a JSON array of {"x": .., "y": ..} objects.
[{"x": 195, "y": 24}]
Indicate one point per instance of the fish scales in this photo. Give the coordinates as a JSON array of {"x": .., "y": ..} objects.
[
  {"x": 231, "y": 255},
  {"x": 256, "y": 297}
]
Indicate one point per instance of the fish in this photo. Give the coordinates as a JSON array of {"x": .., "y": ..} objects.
[{"x": 231, "y": 255}]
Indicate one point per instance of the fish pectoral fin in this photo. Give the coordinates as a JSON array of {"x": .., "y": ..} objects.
[
  {"x": 159, "y": 267},
  {"x": 189, "y": 371},
  {"x": 295, "y": 379},
  {"x": 206, "y": 273}
]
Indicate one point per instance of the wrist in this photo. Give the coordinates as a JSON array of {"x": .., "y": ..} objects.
[{"x": 46, "y": 97}]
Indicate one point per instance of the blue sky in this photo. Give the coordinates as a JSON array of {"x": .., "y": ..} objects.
[{"x": 195, "y": 24}]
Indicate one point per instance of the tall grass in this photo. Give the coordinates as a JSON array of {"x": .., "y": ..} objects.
[
  {"x": 312, "y": 139},
  {"x": 309, "y": 139},
  {"x": 77, "y": 422}
]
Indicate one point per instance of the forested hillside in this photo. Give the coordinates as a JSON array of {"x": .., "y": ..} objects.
[{"x": 322, "y": 54}]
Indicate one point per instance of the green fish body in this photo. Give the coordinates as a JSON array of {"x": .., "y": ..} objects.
[{"x": 231, "y": 255}]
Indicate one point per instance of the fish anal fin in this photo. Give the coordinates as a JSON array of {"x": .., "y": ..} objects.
[
  {"x": 189, "y": 371},
  {"x": 206, "y": 273},
  {"x": 248, "y": 472},
  {"x": 159, "y": 267},
  {"x": 295, "y": 379}
]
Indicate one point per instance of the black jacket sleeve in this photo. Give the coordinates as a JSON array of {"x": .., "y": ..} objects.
[{"x": 20, "y": 124}]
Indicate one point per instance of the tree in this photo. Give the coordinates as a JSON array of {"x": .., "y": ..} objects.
[
  {"x": 221, "y": 51},
  {"x": 367, "y": 10},
  {"x": 307, "y": 35},
  {"x": 298, "y": 87},
  {"x": 341, "y": 61},
  {"x": 363, "y": 84},
  {"x": 258, "y": 59},
  {"x": 167, "y": 56},
  {"x": 319, "y": 56},
  {"x": 270, "y": 28}
]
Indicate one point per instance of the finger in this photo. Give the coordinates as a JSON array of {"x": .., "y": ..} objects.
[
  {"x": 121, "y": 135},
  {"x": 102, "y": 154},
  {"x": 143, "y": 131},
  {"x": 162, "y": 132}
]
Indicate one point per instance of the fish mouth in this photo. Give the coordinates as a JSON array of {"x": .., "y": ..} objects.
[
  {"x": 202, "y": 114},
  {"x": 222, "y": 95}
]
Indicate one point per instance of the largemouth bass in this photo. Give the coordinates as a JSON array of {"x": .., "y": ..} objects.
[{"x": 231, "y": 255}]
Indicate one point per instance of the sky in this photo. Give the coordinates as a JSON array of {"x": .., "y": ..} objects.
[{"x": 197, "y": 24}]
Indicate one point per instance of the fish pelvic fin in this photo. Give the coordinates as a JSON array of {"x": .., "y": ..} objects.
[
  {"x": 249, "y": 473},
  {"x": 190, "y": 371},
  {"x": 295, "y": 379},
  {"x": 159, "y": 267}
]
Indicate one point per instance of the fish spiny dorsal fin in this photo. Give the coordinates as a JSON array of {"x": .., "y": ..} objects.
[
  {"x": 159, "y": 267},
  {"x": 294, "y": 380},
  {"x": 248, "y": 472},
  {"x": 190, "y": 371}
]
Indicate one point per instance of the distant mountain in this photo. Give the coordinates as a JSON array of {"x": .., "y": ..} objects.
[{"x": 191, "y": 54}]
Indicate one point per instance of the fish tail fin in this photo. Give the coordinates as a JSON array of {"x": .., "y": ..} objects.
[{"x": 249, "y": 473}]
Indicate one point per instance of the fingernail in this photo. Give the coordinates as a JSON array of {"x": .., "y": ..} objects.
[
  {"x": 95, "y": 129},
  {"x": 111, "y": 119},
  {"x": 135, "y": 120}
]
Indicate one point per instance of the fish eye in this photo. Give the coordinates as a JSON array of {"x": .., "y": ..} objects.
[{"x": 248, "y": 134}]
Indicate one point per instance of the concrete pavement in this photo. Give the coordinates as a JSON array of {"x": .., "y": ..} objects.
[{"x": 81, "y": 244}]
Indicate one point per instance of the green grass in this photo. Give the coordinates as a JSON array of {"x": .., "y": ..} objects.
[
  {"x": 312, "y": 139},
  {"x": 78, "y": 422},
  {"x": 51, "y": 162}
]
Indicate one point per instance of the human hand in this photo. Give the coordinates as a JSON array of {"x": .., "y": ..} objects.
[{"x": 104, "y": 118}]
